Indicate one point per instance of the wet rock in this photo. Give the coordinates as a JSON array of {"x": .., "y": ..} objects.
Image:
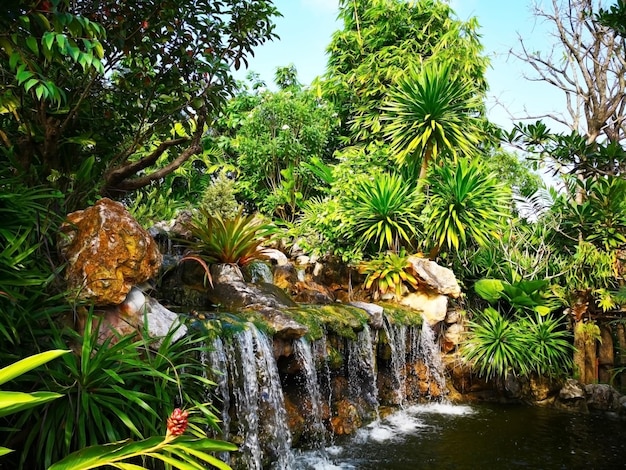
[
  {"x": 452, "y": 337},
  {"x": 374, "y": 311},
  {"x": 276, "y": 257},
  {"x": 437, "y": 278},
  {"x": 108, "y": 253},
  {"x": 310, "y": 292},
  {"x": 602, "y": 397},
  {"x": 346, "y": 419}
]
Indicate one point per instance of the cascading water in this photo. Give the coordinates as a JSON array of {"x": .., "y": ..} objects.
[
  {"x": 362, "y": 368},
  {"x": 255, "y": 418},
  {"x": 396, "y": 338},
  {"x": 316, "y": 433},
  {"x": 429, "y": 353}
]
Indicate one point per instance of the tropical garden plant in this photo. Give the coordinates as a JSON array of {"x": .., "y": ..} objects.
[
  {"x": 466, "y": 206},
  {"x": 384, "y": 211},
  {"x": 235, "y": 240},
  {"x": 388, "y": 273},
  {"x": 115, "y": 390}
]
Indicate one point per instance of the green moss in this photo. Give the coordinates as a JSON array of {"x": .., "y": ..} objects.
[
  {"x": 344, "y": 320},
  {"x": 227, "y": 325},
  {"x": 335, "y": 359},
  {"x": 399, "y": 315}
]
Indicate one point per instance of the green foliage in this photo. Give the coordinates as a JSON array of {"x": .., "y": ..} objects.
[
  {"x": 111, "y": 391},
  {"x": 515, "y": 173},
  {"x": 466, "y": 206},
  {"x": 236, "y": 241},
  {"x": 60, "y": 107},
  {"x": 433, "y": 111},
  {"x": 379, "y": 41},
  {"x": 522, "y": 296},
  {"x": 390, "y": 272},
  {"x": 182, "y": 452},
  {"x": 277, "y": 140},
  {"x": 219, "y": 197},
  {"x": 153, "y": 204},
  {"x": 13, "y": 402},
  {"x": 496, "y": 346},
  {"x": 384, "y": 211}
]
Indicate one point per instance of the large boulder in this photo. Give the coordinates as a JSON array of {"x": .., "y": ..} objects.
[
  {"x": 433, "y": 307},
  {"x": 435, "y": 277},
  {"x": 108, "y": 253}
]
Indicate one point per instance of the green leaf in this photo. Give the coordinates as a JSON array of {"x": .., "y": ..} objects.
[
  {"x": 489, "y": 289},
  {"x": 12, "y": 402},
  {"x": 31, "y": 42},
  {"x": 14, "y": 370}
]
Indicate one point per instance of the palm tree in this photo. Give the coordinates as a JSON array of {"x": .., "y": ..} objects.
[{"x": 432, "y": 111}]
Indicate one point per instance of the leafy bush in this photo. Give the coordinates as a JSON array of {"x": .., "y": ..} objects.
[
  {"x": 222, "y": 240},
  {"x": 385, "y": 212},
  {"x": 219, "y": 197},
  {"x": 496, "y": 346},
  {"x": 466, "y": 206}
]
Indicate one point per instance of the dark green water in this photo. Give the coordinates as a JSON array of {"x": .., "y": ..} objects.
[{"x": 480, "y": 437}]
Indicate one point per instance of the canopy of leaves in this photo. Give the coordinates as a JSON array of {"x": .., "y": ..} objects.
[{"x": 72, "y": 93}]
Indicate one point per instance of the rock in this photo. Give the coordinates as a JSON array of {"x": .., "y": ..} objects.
[
  {"x": 108, "y": 253},
  {"x": 437, "y": 278},
  {"x": 284, "y": 327},
  {"x": 432, "y": 307},
  {"x": 226, "y": 273},
  {"x": 312, "y": 293},
  {"x": 236, "y": 296},
  {"x": 572, "y": 390},
  {"x": 374, "y": 311},
  {"x": 285, "y": 276},
  {"x": 453, "y": 316},
  {"x": 453, "y": 335},
  {"x": 276, "y": 257},
  {"x": 602, "y": 397},
  {"x": 129, "y": 316}
]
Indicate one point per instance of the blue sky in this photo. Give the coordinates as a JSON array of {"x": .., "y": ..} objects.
[{"x": 307, "y": 26}]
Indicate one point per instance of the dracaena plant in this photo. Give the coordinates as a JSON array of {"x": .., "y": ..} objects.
[
  {"x": 466, "y": 206},
  {"x": 385, "y": 211},
  {"x": 238, "y": 240}
]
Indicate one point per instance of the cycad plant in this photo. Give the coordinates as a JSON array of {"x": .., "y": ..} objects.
[
  {"x": 550, "y": 343},
  {"x": 466, "y": 205},
  {"x": 236, "y": 240},
  {"x": 432, "y": 111},
  {"x": 385, "y": 212}
]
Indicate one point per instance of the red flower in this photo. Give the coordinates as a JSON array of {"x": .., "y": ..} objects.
[{"x": 177, "y": 422}]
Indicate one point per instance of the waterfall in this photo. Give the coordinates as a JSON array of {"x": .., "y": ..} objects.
[
  {"x": 430, "y": 354},
  {"x": 315, "y": 426},
  {"x": 362, "y": 368},
  {"x": 259, "y": 420},
  {"x": 396, "y": 338}
]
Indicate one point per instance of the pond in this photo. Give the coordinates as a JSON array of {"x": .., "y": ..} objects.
[{"x": 444, "y": 436}]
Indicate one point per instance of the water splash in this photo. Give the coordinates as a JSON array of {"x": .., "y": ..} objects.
[
  {"x": 316, "y": 432},
  {"x": 254, "y": 413}
]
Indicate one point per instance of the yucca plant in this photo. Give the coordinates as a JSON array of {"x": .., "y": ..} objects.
[
  {"x": 466, "y": 205},
  {"x": 496, "y": 346},
  {"x": 385, "y": 211},
  {"x": 236, "y": 240},
  {"x": 388, "y": 273}
]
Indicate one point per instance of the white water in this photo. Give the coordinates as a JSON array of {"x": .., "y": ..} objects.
[
  {"x": 396, "y": 336},
  {"x": 430, "y": 353},
  {"x": 361, "y": 368}
]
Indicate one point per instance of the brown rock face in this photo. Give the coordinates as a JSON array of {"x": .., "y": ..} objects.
[{"x": 107, "y": 251}]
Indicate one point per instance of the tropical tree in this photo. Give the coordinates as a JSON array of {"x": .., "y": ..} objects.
[
  {"x": 94, "y": 90},
  {"x": 432, "y": 111},
  {"x": 379, "y": 41},
  {"x": 277, "y": 140}
]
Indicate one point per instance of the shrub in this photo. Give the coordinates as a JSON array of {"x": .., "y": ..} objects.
[{"x": 388, "y": 273}]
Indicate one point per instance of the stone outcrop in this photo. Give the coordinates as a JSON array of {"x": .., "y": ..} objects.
[
  {"x": 432, "y": 306},
  {"x": 435, "y": 277},
  {"x": 108, "y": 253}
]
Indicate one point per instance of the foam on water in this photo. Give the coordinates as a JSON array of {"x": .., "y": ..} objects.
[{"x": 442, "y": 409}]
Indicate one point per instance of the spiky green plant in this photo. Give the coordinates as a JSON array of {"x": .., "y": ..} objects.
[
  {"x": 466, "y": 205},
  {"x": 432, "y": 111},
  {"x": 496, "y": 346},
  {"x": 112, "y": 391},
  {"x": 551, "y": 345},
  {"x": 236, "y": 240},
  {"x": 385, "y": 211}
]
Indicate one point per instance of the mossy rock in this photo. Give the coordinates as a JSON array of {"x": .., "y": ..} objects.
[
  {"x": 344, "y": 320},
  {"x": 399, "y": 315}
]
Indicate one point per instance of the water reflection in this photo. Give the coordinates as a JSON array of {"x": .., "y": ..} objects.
[{"x": 440, "y": 436}]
